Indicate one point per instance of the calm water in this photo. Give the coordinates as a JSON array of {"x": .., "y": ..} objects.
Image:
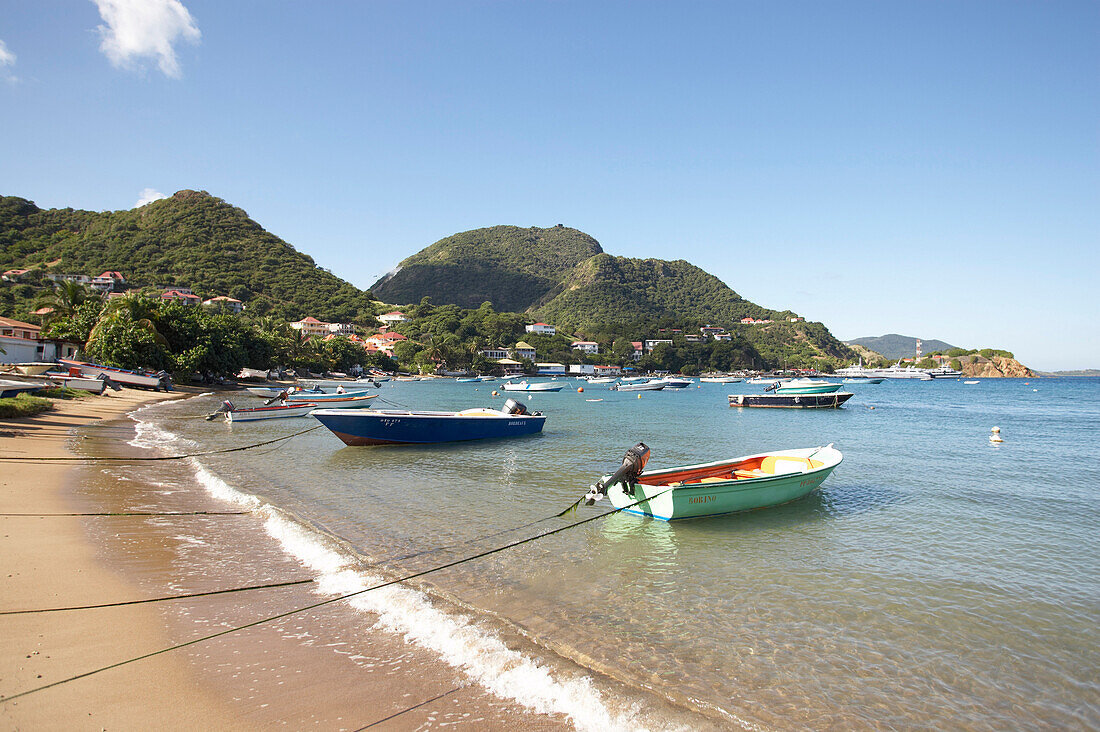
[{"x": 936, "y": 580}]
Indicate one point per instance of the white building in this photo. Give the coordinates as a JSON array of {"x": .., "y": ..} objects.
[
  {"x": 550, "y": 369},
  {"x": 494, "y": 353},
  {"x": 653, "y": 343},
  {"x": 586, "y": 346},
  {"x": 582, "y": 369},
  {"x": 22, "y": 343},
  {"x": 231, "y": 304},
  {"x": 542, "y": 328},
  {"x": 524, "y": 350},
  {"x": 391, "y": 319}
]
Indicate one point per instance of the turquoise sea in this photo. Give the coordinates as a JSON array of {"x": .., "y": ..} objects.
[{"x": 936, "y": 580}]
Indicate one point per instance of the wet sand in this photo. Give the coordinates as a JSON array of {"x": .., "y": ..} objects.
[{"x": 326, "y": 668}]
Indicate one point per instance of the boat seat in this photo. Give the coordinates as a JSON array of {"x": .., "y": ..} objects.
[
  {"x": 479, "y": 412},
  {"x": 757, "y": 473}
]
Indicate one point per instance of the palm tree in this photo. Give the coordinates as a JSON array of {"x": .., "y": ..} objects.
[
  {"x": 136, "y": 307},
  {"x": 66, "y": 297}
]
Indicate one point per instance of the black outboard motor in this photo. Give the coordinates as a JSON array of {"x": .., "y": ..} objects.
[
  {"x": 634, "y": 463},
  {"x": 513, "y": 407}
]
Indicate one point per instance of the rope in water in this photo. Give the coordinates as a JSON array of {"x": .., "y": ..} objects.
[
  {"x": 348, "y": 596},
  {"x": 127, "y": 513},
  {"x": 163, "y": 598},
  {"x": 78, "y": 458}
]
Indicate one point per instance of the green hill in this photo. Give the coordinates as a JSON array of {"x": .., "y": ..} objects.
[
  {"x": 191, "y": 240},
  {"x": 512, "y": 268},
  {"x": 894, "y": 346},
  {"x": 562, "y": 276}
]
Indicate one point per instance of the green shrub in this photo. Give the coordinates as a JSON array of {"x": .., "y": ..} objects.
[{"x": 24, "y": 405}]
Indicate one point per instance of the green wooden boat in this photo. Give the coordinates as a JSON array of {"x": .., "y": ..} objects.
[{"x": 726, "y": 486}]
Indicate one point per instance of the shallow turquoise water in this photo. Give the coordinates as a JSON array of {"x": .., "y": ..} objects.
[{"x": 936, "y": 580}]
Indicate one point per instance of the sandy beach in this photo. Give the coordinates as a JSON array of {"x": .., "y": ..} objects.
[{"x": 326, "y": 669}]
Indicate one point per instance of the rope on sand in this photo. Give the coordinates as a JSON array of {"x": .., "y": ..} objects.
[
  {"x": 78, "y": 458},
  {"x": 331, "y": 600}
]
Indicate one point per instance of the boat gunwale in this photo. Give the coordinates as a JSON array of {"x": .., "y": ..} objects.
[{"x": 425, "y": 414}]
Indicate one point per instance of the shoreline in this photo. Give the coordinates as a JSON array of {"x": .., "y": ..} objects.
[
  {"x": 345, "y": 674},
  {"x": 48, "y": 561}
]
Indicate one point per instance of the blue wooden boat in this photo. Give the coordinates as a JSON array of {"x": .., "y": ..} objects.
[{"x": 399, "y": 427}]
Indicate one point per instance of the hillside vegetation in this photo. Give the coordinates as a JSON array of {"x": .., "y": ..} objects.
[
  {"x": 563, "y": 277},
  {"x": 191, "y": 240},
  {"x": 511, "y": 267}
]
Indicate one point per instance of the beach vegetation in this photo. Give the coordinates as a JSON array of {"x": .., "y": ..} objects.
[{"x": 23, "y": 405}]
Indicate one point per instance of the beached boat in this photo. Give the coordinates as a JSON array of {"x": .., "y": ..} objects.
[
  {"x": 804, "y": 386},
  {"x": 714, "y": 489},
  {"x": 351, "y": 400},
  {"x": 395, "y": 427},
  {"x": 13, "y": 388},
  {"x": 252, "y": 414},
  {"x": 144, "y": 380},
  {"x": 532, "y": 386},
  {"x": 84, "y": 383},
  {"x": 792, "y": 401},
  {"x": 34, "y": 368},
  {"x": 642, "y": 386}
]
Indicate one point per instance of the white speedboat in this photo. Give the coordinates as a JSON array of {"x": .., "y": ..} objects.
[
  {"x": 645, "y": 386},
  {"x": 721, "y": 379},
  {"x": 532, "y": 386}
]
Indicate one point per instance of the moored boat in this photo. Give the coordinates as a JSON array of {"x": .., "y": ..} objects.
[
  {"x": 804, "y": 386},
  {"x": 713, "y": 489},
  {"x": 674, "y": 382},
  {"x": 234, "y": 413},
  {"x": 329, "y": 385},
  {"x": 639, "y": 386},
  {"x": 864, "y": 380},
  {"x": 792, "y": 401},
  {"x": 721, "y": 379},
  {"x": 398, "y": 427},
  {"x": 351, "y": 400},
  {"x": 531, "y": 386},
  {"x": 267, "y": 392}
]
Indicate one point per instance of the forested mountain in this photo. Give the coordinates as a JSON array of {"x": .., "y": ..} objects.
[
  {"x": 562, "y": 276},
  {"x": 511, "y": 267},
  {"x": 191, "y": 240},
  {"x": 894, "y": 346}
]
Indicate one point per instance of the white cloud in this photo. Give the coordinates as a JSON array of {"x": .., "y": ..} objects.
[
  {"x": 7, "y": 58},
  {"x": 138, "y": 29},
  {"x": 148, "y": 195}
]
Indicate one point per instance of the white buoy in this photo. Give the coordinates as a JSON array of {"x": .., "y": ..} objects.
[{"x": 995, "y": 435}]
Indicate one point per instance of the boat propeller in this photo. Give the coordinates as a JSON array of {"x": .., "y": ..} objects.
[{"x": 634, "y": 463}]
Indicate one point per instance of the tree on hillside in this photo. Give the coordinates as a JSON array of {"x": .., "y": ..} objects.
[{"x": 65, "y": 298}]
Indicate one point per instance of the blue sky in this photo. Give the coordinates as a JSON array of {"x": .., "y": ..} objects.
[{"x": 924, "y": 168}]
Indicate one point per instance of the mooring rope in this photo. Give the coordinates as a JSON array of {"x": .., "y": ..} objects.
[
  {"x": 127, "y": 513},
  {"x": 332, "y": 600},
  {"x": 163, "y": 598},
  {"x": 78, "y": 458}
]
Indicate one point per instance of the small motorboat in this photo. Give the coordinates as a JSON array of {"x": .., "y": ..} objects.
[
  {"x": 395, "y": 427},
  {"x": 863, "y": 380},
  {"x": 639, "y": 386},
  {"x": 713, "y": 489},
  {"x": 234, "y": 413},
  {"x": 602, "y": 380},
  {"x": 532, "y": 386},
  {"x": 674, "y": 382},
  {"x": 721, "y": 379},
  {"x": 266, "y": 392},
  {"x": 350, "y": 400},
  {"x": 804, "y": 386}
]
